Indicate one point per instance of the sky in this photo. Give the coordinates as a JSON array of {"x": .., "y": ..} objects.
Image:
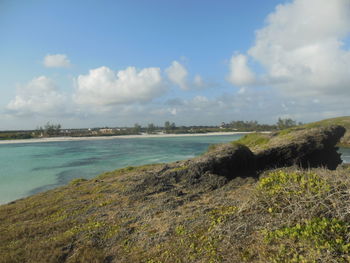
[{"x": 99, "y": 63}]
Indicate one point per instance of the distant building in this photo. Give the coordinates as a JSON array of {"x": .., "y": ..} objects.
[{"x": 106, "y": 131}]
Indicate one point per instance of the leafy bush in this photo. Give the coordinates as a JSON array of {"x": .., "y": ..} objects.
[
  {"x": 316, "y": 240},
  {"x": 281, "y": 191},
  {"x": 305, "y": 217},
  {"x": 295, "y": 183}
]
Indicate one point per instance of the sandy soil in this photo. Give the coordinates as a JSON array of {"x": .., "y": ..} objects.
[{"x": 67, "y": 139}]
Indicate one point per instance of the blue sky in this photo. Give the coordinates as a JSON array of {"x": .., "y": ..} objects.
[{"x": 114, "y": 63}]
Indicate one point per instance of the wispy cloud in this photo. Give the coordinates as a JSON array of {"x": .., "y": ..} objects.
[{"x": 56, "y": 61}]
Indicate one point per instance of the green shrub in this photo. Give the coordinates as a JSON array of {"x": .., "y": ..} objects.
[
  {"x": 295, "y": 192},
  {"x": 315, "y": 240},
  {"x": 253, "y": 140},
  {"x": 295, "y": 183}
]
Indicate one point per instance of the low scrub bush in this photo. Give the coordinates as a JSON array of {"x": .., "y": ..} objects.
[
  {"x": 315, "y": 240},
  {"x": 254, "y": 140},
  {"x": 293, "y": 192}
]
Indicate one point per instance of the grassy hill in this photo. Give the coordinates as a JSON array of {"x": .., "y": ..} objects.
[
  {"x": 257, "y": 141},
  {"x": 189, "y": 211},
  {"x": 342, "y": 121}
]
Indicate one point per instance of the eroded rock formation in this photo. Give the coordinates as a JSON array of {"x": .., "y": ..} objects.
[{"x": 306, "y": 148}]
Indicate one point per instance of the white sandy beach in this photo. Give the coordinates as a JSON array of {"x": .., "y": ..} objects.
[{"x": 67, "y": 139}]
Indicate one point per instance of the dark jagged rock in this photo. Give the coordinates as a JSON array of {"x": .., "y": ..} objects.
[
  {"x": 207, "y": 172},
  {"x": 228, "y": 160},
  {"x": 306, "y": 148}
]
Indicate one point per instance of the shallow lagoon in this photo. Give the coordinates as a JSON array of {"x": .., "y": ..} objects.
[{"x": 30, "y": 168}]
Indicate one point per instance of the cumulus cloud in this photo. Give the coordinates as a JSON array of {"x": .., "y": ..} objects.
[
  {"x": 240, "y": 73},
  {"x": 40, "y": 96},
  {"x": 301, "y": 49},
  {"x": 56, "y": 61},
  {"x": 177, "y": 73},
  {"x": 103, "y": 86}
]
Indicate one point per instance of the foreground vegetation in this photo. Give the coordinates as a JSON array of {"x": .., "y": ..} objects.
[{"x": 288, "y": 215}]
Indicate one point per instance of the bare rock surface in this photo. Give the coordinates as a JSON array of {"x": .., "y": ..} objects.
[{"x": 306, "y": 148}]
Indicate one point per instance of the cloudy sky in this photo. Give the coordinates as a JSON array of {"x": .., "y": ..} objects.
[{"x": 89, "y": 63}]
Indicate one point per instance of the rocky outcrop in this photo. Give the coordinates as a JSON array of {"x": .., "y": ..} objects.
[
  {"x": 209, "y": 171},
  {"x": 228, "y": 160},
  {"x": 306, "y": 148}
]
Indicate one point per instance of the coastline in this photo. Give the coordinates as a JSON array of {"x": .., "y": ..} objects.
[{"x": 93, "y": 138}]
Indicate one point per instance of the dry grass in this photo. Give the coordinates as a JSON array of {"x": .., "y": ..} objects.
[{"x": 106, "y": 220}]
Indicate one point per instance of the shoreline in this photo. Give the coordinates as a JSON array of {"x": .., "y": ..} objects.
[{"x": 94, "y": 138}]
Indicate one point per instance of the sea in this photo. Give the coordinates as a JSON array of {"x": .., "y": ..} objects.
[{"x": 29, "y": 168}]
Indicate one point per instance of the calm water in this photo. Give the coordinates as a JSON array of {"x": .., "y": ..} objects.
[{"x": 26, "y": 169}]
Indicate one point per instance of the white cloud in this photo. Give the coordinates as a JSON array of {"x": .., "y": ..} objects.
[
  {"x": 241, "y": 90},
  {"x": 56, "y": 61},
  {"x": 177, "y": 73},
  {"x": 103, "y": 86},
  {"x": 301, "y": 49},
  {"x": 198, "y": 81},
  {"x": 40, "y": 96},
  {"x": 200, "y": 100},
  {"x": 240, "y": 74},
  {"x": 173, "y": 111}
]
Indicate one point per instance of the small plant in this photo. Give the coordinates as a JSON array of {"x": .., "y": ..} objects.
[
  {"x": 292, "y": 192},
  {"x": 179, "y": 169},
  {"x": 295, "y": 183},
  {"x": 220, "y": 215},
  {"x": 254, "y": 140},
  {"x": 77, "y": 181},
  {"x": 212, "y": 147},
  {"x": 312, "y": 241}
]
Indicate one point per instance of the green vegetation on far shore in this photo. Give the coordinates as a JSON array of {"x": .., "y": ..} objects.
[{"x": 56, "y": 130}]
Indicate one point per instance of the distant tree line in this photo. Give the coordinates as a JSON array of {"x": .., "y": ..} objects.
[
  {"x": 49, "y": 130},
  {"x": 255, "y": 126},
  {"x": 286, "y": 123}
]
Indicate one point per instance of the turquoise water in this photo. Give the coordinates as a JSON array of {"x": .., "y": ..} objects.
[
  {"x": 30, "y": 168},
  {"x": 345, "y": 154}
]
